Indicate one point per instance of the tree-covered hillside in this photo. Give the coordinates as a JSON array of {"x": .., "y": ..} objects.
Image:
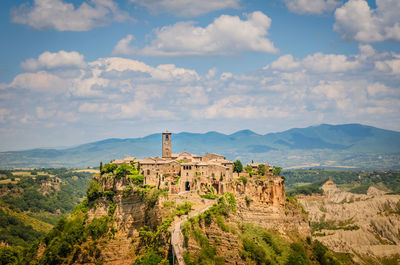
[{"x": 32, "y": 201}]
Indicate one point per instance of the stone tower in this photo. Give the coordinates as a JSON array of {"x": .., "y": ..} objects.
[{"x": 166, "y": 144}]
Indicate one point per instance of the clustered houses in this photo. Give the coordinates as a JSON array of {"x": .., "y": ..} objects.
[{"x": 185, "y": 171}]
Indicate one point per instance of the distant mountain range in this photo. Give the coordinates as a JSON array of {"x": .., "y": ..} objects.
[{"x": 348, "y": 145}]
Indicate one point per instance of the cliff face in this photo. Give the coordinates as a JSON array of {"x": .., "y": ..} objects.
[
  {"x": 268, "y": 192},
  {"x": 135, "y": 213},
  {"x": 263, "y": 202},
  {"x": 128, "y": 212}
]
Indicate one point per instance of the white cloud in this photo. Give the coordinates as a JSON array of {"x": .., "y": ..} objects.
[
  {"x": 211, "y": 72},
  {"x": 310, "y": 6},
  {"x": 320, "y": 62},
  {"x": 187, "y": 8},
  {"x": 355, "y": 20},
  {"x": 389, "y": 66},
  {"x": 226, "y": 35},
  {"x": 285, "y": 62},
  {"x": 62, "y": 16},
  {"x": 141, "y": 109},
  {"x": 377, "y": 89},
  {"x": 317, "y": 62},
  {"x": 240, "y": 107},
  {"x": 164, "y": 72},
  {"x": 40, "y": 82},
  {"x": 60, "y": 59},
  {"x": 124, "y": 47},
  {"x": 89, "y": 86}
]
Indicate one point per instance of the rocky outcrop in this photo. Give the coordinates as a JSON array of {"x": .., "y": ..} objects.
[
  {"x": 373, "y": 220},
  {"x": 266, "y": 191}
]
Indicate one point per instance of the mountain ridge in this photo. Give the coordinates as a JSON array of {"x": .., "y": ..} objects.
[{"x": 352, "y": 144}]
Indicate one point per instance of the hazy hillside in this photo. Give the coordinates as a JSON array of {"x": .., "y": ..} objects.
[{"x": 350, "y": 145}]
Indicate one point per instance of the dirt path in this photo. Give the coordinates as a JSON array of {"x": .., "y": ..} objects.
[{"x": 176, "y": 235}]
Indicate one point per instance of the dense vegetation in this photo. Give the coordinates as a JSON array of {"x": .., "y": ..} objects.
[
  {"x": 14, "y": 232},
  {"x": 37, "y": 193},
  {"x": 31, "y": 202},
  {"x": 308, "y": 181}
]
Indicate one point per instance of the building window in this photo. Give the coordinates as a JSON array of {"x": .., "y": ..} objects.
[
  {"x": 187, "y": 186},
  {"x": 148, "y": 172},
  {"x": 166, "y": 137}
]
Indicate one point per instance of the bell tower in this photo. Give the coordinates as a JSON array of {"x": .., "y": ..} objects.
[{"x": 166, "y": 144}]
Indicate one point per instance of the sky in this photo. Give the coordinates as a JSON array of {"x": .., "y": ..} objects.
[{"x": 77, "y": 71}]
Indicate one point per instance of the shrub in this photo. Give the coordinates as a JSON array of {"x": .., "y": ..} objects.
[
  {"x": 136, "y": 179},
  {"x": 94, "y": 190},
  {"x": 261, "y": 169},
  {"x": 108, "y": 168},
  {"x": 123, "y": 170},
  {"x": 210, "y": 196},
  {"x": 183, "y": 209},
  {"x": 297, "y": 255},
  {"x": 98, "y": 227},
  {"x": 277, "y": 171},
  {"x": 248, "y": 169},
  {"x": 149, "y": 258},
  {"x": 243, "y": 179}
]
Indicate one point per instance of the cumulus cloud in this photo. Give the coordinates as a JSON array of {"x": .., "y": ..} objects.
[
  {"x": 355, "y": 20},
  {"x": 391, "y": 66},
  {"x": 187, "y": 8},
  {"x": 285, "y": 62},
  {"x": 310, "y": 6},
  {"x": 226, "y": 35},
  {"x": 320, "y": 62},
  {"x": 163, "y": 72},
  {"x": 42, "y": 82},
  {"x": 317, "y": 62},
  {"x": 62, "y": 16},
  {"x": 60, "y": 59}
]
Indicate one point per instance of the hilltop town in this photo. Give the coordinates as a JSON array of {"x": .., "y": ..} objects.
[{"x": 188, "y": 172}]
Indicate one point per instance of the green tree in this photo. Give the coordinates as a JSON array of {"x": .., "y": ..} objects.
[
  {"x": 248, "y": 169},
  {"x": 277, "y": 171},
  {"x": 123, "y": 170},
  {"x": 261, "y": 169},
  {"x": 237, "y": 166}
]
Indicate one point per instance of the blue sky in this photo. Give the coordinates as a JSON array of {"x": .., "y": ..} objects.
[{"x": 74, "y": 71}]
